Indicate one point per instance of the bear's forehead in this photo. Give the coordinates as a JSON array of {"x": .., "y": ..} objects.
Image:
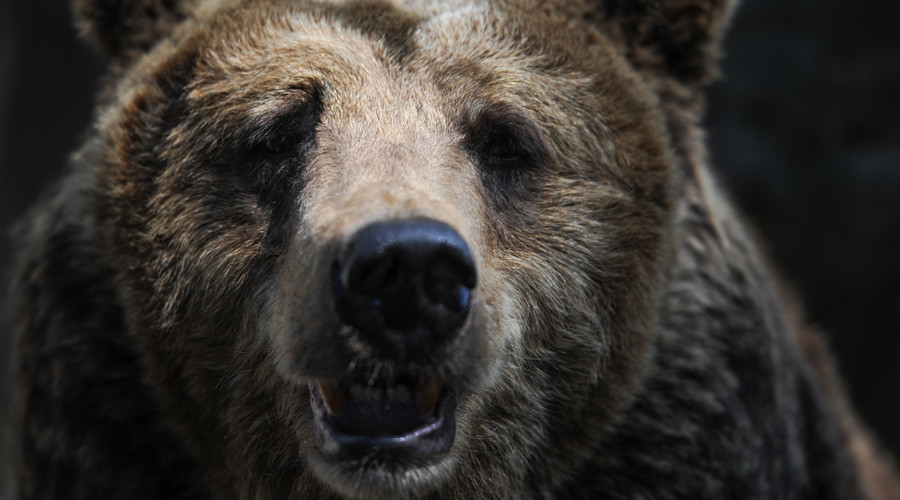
[{"x": 397, "y": 56}]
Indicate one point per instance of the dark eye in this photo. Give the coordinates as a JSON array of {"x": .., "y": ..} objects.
[
  {"x": 277, "y": 144},
  {"x": 499, "y": 145},
  {"x": 508, "y": 150}
]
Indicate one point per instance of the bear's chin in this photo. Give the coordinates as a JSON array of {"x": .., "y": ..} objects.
[{"x": 374, "y": 479}]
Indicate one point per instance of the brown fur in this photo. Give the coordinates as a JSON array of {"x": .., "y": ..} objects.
[{"x": 626, "y": 340}]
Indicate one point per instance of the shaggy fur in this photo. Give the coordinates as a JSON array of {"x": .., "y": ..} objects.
[{"x": 626, "y": 338}]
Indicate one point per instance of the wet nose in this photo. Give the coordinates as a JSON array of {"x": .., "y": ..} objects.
[{"x": 405, "y": 285}]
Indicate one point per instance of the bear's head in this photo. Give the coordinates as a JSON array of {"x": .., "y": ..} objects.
[{"x": 383, "y": 248}]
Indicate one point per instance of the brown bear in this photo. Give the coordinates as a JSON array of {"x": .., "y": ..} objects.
[{"x": 441, "y": 249}]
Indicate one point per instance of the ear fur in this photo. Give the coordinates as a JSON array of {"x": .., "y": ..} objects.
[
  {"x": 121, "y": 28},
  {"x": 680, "y": 38}
]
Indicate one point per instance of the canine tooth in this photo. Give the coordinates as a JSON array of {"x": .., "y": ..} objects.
[
  {"x": 333, "y": 396},
  {"x": 356, "y": 392},
  {"x": 402, "y": 393},
  {"x": 427, "y": 395}
]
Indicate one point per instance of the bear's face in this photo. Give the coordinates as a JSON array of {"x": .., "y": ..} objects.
[{"x": 386, "y": 248}]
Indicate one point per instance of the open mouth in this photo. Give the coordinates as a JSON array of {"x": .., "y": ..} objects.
[{"x": 402, "y": 416}]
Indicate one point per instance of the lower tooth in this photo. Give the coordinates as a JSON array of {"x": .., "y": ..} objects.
[
  {"x": 427, "y": 395},
  {"x": 401, "y": 393},
  {"x": 333, "y": 396}
]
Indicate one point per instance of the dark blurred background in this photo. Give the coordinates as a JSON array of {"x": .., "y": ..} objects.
[{"x": 804, "y": 127}]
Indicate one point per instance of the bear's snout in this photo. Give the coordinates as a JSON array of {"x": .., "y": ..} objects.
[{"x": 406, "y": 285}]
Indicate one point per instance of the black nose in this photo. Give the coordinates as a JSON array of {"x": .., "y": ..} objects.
[{"x": 405, "y": 285}]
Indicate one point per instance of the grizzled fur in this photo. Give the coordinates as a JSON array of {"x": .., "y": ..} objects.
[{"x": 626, "y": 339}]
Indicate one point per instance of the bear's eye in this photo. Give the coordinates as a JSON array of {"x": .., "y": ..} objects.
[
  {"x": 500, "y": 146},
  {"x": 503, "y": 147},
  {"x": 277, "y": 144}
]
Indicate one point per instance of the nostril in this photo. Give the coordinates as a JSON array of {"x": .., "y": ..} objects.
[
  {"x": 448, "y": 281},
  {"x": 405, "y": 285},
  {"x": 375, "y": 275}
]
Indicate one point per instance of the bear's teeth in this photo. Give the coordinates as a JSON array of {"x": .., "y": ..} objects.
[
  {"x": 373, "y": 394},
  {"x": 398, "y": 392},
  {"x": 333, "y": 396},
  {"x": 427, "y": 395},
  {"x": 401, "y": 393}
]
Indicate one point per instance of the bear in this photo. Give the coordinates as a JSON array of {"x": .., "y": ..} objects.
[{"x": 413, "y": 249}]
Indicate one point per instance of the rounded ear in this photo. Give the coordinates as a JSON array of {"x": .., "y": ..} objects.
[
  {"x": 122, "y": 28},
  {"x": 679, "y": 38}
]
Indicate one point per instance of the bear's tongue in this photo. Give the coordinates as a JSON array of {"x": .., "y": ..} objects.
[{"x": 380, "y": 409}]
